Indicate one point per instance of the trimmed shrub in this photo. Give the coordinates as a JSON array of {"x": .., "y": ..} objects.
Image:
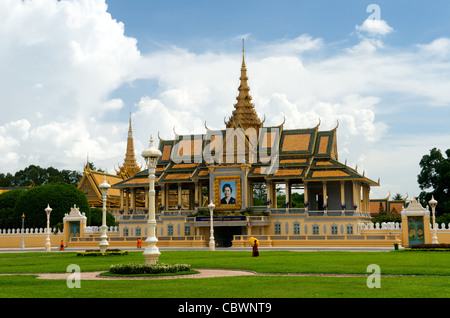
[
  {"x": 98, "y": 253},
  {"x": 138, "y": 269},
  {"x": 430, "y": 247}
]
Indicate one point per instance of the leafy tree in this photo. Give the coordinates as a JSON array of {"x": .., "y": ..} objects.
[
  {"x": 6, "y": 220},
  {"x": 36, "y": 175},
  {"x": 386, "y": 218},
  {"x": 97, "y": 215},
  {"x": 434, "y": 179},
  {"x": 60, "y": 196},
  {"x": 7, "y": 202},
  {"x": 8, "y": 199},
  {"x": 6, "y": 180}
]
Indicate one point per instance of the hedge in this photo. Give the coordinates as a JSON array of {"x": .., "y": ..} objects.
[
  {"x": 98, "y": 253},
  {"x": 137, "y": 269},
  {"x": 430, "y": 247}
]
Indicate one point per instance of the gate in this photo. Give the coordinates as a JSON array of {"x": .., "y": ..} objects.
[{"x": 416, "y": 233}]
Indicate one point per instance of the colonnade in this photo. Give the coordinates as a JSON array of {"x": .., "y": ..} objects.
[{"x": 318, "y": 196}]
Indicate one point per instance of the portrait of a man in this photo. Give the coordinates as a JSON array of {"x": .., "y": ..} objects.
[{"x": 228, "y": 192}]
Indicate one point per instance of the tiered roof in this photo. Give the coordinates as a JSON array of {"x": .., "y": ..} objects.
[
  {"x": 129, "y": 167},
  {"x": 303, "y": 154}
]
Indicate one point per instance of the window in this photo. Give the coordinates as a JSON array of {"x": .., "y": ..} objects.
[
  {"x": 334, "y": 229},
  {"x": 187, "y": 230},
  {"x": 277, "y": 228},
  {"x": 125, "y": 232},
  {"x": 350, "y": 229},
  {"x": 296, "y": 228},
  {"x": 315, "y": 229},
  {"x": 170, "y": 229},
  {"x": 138, "y": 231}
]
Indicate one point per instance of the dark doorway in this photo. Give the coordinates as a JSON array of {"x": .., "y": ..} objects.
[{"x": 223, "y": 235}]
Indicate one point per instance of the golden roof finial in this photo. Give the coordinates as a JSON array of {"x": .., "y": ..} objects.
[
  {"x": 243, "y": 53},
  {"x": 130, "y": 166},
  {"x": 244, "y": 114}
]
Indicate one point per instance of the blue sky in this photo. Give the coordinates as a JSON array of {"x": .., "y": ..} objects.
[{"x": 71, "y": 71}]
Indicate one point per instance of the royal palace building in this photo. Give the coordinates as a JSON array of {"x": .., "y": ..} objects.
[{"x": 255, "y": 176}]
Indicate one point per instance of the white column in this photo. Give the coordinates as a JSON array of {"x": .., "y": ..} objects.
[
  {"x": 343, "y": 197},
  {"x": 305, "y": 195}
]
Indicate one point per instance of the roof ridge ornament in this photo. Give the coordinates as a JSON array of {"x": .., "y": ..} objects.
[{"x": 244, "y": 114}]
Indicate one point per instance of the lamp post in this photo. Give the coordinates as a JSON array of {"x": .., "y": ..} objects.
[
  {"x": 212, "y": 243},
  {"x": 22, "y": 245},
  {"x": 433, "y": 204},
  {"x": 48, "y": 210},
  {"x": 151, "y": 252},
  {"x": 104, "y": 238}
]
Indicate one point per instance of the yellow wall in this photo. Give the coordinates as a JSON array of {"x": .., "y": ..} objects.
[{"x": 30, "y": 240}]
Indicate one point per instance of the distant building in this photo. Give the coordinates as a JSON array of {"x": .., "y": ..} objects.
[
  {"x": 387, "y": 206},
  {"x": 91, "y": 179}
]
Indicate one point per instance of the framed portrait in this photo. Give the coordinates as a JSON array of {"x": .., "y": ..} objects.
[{"x": 227, "y": 193}]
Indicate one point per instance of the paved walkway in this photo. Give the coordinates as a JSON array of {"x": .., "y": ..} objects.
[{"x": 203, "y": 273}]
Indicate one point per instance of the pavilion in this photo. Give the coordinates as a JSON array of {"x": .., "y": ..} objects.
[{"x": 246, "y": 157}]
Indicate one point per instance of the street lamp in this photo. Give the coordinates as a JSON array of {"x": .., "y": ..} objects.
[
  {"x": 104, "y": 238},
  {"x": 22, "y": 245},
  {"x": 151, "y": 252},
  {"x": 433, "y": 204},
  {"x": 212, "y": 243},
  {"x": 48, "y": 210}
]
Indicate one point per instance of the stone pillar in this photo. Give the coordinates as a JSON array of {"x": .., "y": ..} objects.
[
  {"x": 133, "y": 200},
  {"x": 305, "y": 196},
  {"x": 343, "y": 197},
  {"x": 121, "y": 199},
  {"x": 325, "y": 199},
  {"x": 196, "y": 196},
  {"x": 288, "y": 195},
  {"x": 179, "y": 197}
]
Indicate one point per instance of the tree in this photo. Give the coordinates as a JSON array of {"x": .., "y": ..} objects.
[
  {"x": 97, "y": 216},
  {"x": 9, "y": 198},
  {"x": 60, "y": 196},
  {"x": 434, "y": 179},
  {"x": 8, "y": 201},
  {"x": 36, "y": 175}
]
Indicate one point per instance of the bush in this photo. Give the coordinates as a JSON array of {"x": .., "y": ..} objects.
[
  {"x": 386, "y": 218},
  {"x": 138, "y": 269},
  {"x": 98, "y": 253},
  {"x": 430, "y": 247}
]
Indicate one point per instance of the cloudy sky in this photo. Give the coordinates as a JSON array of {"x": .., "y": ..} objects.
[{"x": 72, "y": 71}]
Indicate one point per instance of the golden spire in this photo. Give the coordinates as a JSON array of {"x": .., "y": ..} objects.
[
  {"x": 244, "y": 114},
  {"x": 130, "y": 167}
]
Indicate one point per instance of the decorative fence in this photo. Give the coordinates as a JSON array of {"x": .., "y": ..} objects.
[
  {"x": 30, "y": 231},
  {"x": 98, "y": 229},
  {"x": 32, "y": 237}
]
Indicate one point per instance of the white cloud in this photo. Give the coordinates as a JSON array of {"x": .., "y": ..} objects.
[
  {"x": 437, "y": 48},
  {"x": 375, "y": 27},
  {"x": 60, "y": 60}
]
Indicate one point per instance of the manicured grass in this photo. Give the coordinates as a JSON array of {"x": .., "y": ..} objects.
[
  {"x": 431, "y": 278},
  {"x": 230, "y": 287},
  {"x": 392, "y": 263}
]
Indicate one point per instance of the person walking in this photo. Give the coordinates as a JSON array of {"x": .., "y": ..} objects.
[
  {"x": 255, "y": 252},
  {"x": 139, "y": 243}
]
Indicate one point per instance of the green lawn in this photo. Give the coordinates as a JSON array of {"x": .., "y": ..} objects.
[{"x": 423, "y": 274}]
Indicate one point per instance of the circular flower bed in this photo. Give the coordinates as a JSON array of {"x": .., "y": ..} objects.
[{"x": 140, "y": 269}]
